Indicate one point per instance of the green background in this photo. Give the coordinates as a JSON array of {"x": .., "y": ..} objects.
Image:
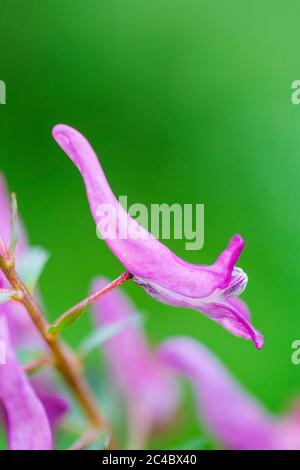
[{"x": 184, "y": 101}]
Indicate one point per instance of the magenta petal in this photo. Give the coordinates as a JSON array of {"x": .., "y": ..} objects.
[
  {"x": 232, "y": 415},
  {"x": 55, "y": 405},
  {"x": 240, "y": 306},
  {"x": 164, "y": 276},
  {"x": 233, "y": 320},
  {"x": 27, "y": 424},
  {"x": 143, "y": 382}
]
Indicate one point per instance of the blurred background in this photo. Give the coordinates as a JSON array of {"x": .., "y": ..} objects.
[{"x": 184, "y": 102}]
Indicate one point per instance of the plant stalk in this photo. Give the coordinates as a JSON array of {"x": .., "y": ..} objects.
[{"x": 85, "y": 303}]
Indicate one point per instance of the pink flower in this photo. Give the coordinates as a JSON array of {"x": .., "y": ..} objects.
[
  {"x": 231, "y": 414},
  {"x": 27, "y": 423},
  {"x": 169, "y": 279},
  {"x": 149, "y": 391}
]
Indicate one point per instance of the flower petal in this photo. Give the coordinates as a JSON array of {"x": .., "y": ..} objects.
[
  {"x": 27, "y": 424},
  {"x": 232, "y": 415},
  {"x": 233, "y": 320},
  {"x": 55, "y": 406}
]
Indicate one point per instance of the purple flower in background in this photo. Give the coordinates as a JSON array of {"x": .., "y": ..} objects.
[
  {"x": 212, "y": 290},
  {"x": 28, "y": 427},
  {"x": 232, "y": 415},
  {"x": 148, "y": 389},
  {"x": 56, "y": 406},
  {"x": 30, "y": 405}
]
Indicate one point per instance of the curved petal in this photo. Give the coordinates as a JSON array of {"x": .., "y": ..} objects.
[
  {"x": 233, "y": 320},
  {"x": 230, "y": 312},
  {"x": 27, "y": 424},
  {"x": 239, "y": 305},
  {"x": 143, "y": 382},
  {"x": 232, "y": 415}
]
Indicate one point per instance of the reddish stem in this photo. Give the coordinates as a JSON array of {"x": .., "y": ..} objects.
[
  {"x": 37, "y": 364},
  {"x": 81, "y": 306}
]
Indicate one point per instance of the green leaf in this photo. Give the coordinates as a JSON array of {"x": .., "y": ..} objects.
[
  {"x": 101, "y": 335},
  {"x": 5, "y": 295},
  {"x": 15, "y": 228},
  {"x": 66, "y": 321},
  {"x": 31, "y": 266}
]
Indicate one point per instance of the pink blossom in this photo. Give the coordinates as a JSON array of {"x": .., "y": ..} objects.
[
  {"x": 236, "y": 419},
  {"x": 27, "y": 423},
  {"x": 166, "y": 277}
]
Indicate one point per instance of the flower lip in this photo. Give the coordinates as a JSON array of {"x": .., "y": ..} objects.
[{"x": 237, "y": 284}]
